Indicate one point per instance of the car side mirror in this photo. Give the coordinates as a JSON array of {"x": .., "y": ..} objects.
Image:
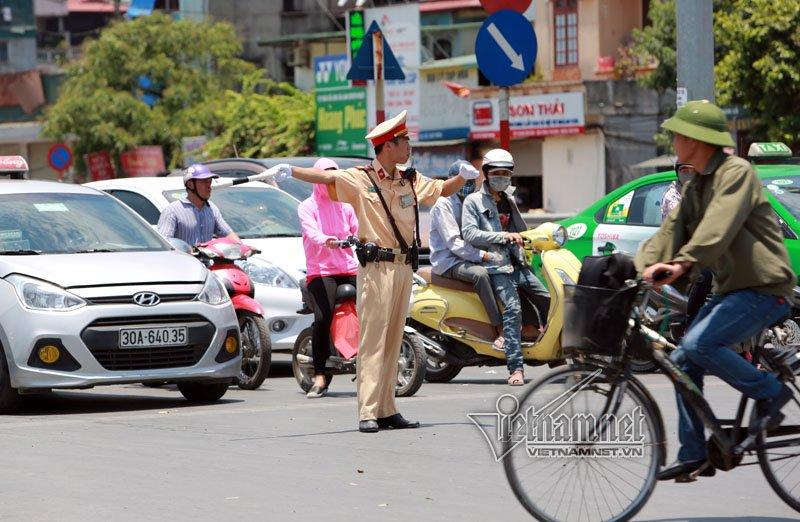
[{"x": 180, "y": 245}]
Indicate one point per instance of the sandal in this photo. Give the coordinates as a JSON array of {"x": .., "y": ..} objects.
[
  {"x": 499, "y": 344},
  {"x": 517, "y": 378}
]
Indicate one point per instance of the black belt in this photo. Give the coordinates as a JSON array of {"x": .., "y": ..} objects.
[{"x": 392, "y": 255}]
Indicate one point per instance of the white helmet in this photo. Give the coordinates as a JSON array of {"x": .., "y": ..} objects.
[{"x": 497, "y": 159}]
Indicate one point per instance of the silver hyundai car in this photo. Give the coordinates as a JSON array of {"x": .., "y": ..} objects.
[{"x": 91, "y": 295}]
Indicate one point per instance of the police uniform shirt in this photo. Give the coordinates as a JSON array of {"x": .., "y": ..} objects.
[{"x": 354, "y": 187}]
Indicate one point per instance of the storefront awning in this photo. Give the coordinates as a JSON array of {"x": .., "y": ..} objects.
[
  {"x": 303, "y": 37},
  {"x": 438, "y": 143},
  {"x": 464, "y": 62}
]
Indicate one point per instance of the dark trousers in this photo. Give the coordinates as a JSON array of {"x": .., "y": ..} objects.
[{"x": 322, "y": 291}]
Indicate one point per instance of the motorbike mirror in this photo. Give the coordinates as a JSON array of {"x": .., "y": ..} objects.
[{"x": 180, "y": 245}]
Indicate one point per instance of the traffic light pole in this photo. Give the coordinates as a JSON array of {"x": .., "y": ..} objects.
[
  {"x": 377, "y": 52},
  {"x": 505, "y": 132}
]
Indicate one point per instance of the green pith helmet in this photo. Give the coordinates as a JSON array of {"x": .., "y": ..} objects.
[{"x": 703, "y": 121}]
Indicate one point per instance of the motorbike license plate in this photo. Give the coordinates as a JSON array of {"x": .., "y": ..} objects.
[{"x": 146, "y": 337}]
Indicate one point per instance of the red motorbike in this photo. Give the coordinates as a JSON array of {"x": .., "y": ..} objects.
[
  {"x": 220, "y": 255},
  {"x": 344, "y": 343}
]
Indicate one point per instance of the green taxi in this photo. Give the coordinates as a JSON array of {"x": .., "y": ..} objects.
[{"x": 625, "y": 217}]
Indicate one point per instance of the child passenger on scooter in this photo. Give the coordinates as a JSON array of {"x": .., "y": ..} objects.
[
  {"x": 491, "y": 220},
  {"x": 322, "y": 222}
]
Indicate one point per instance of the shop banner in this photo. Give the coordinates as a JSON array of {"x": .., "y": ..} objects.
[
  {"x": 100, "y": 165},
  {"x": 400, "y": 25},
  {"x": 445, "y": 115},
  {"x": 535, "y": 115},
  {"x": 143, "y": 161},
  {"x": 341, "y": 109}
]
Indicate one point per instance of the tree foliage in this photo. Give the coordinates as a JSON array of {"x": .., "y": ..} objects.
[
  {"x": 757, "y": 51},
  {"x": 760, "y": 69},
  {"x": 265, "y": 119},
  {"x": 191, "y": 64},
  {"x": 658, "y": 40}
]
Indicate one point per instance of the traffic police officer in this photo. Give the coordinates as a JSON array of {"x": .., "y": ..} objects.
[{"x": 384, "y": 284}]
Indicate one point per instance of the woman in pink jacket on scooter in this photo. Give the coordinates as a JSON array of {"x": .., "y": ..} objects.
[{"x": 323, "y": 221}]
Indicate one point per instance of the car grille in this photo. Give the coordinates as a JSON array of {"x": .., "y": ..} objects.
[
  {"x": 128, "y": 299},
  {"x": 102, "y": 339}
]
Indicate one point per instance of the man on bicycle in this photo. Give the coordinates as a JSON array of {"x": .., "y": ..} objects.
[{"x": 724, "y": 223}]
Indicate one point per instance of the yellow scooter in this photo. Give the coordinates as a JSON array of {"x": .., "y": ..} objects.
[{"x": 454, "y": 325}]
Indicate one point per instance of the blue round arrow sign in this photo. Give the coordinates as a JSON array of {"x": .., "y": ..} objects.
[{"x": 506, "y": 48}]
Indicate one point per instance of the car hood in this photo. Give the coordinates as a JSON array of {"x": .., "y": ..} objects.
[
  {"x": 106, "y": 269},
  {"x": 284, "y": 252}
]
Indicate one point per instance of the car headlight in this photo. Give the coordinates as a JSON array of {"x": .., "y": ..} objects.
[
  {"x": 265, "y": 273},
  {"x": 40, "y": 295},
  {"x": 213, "y": 292}
]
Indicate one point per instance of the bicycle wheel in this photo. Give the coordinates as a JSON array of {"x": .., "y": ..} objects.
[
  {"x": 586, "y": 450},
  {"x": 779, "y": 455}
]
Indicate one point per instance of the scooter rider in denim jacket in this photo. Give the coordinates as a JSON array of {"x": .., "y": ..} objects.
[{"x": 492, "y": 221}]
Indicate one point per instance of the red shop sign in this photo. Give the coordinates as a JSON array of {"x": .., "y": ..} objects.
[
  {"x": 143, "y": 161},
  {"x": 100, "y": 165}
]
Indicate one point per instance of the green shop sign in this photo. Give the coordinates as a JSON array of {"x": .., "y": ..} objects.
[{"x": 341, "y": 109}]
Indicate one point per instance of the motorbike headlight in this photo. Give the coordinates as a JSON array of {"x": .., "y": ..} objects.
[
  {"x": 265, "y": 273},
  {"x": 560, "y": 236},
  {"x": 213, "y": 292},
  {"x": 40, "y": 295}
]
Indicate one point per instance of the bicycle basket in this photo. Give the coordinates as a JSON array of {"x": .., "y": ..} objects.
[{"x": 596, "y": 319}]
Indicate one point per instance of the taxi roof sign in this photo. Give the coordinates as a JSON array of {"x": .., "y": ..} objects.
[
  {"x": 13, "y": 164},
  {"x": 769, "y": 149}
]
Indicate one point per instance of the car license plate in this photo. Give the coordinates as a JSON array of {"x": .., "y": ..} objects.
[{"x": 146, "y": 337}]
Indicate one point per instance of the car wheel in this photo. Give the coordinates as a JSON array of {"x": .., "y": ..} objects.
[
  {"x": 9, "y": 398},
  {"x": 199, "y": 392}
]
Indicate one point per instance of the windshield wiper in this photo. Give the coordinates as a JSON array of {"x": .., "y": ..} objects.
[
  {"x": 281, "y": 235},
  {"x": 93, "y": 251},
  {"x": 20, "y": 252}
]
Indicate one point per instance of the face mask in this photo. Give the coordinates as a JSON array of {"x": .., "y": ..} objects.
[
  {"x": 499, "y": 183},
  {"x": 467, "y": 189}
]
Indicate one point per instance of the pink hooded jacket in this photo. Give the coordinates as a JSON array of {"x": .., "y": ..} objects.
[{"x": 322, "y": 219}]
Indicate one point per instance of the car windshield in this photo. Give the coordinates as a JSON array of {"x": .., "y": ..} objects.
[
  {"x": 254, "y": 212},
  {"x": 45, "y": 223},
  {"x": 787, "y": 191}
]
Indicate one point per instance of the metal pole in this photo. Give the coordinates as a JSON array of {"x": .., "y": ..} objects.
[
  {"x": 695, "y": 39},
  {"x": 377, "y": 53},
  {"x": 505, "y": 132}
]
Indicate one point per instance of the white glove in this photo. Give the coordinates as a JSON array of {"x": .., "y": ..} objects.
[
  {"x": 280, "y": 172},
  {"x": 468, "y": 172}
]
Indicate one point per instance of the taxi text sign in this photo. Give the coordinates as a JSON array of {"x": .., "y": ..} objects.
[
  {"x": 534, "y": 115},
  {"x": 341, "y": 119}
]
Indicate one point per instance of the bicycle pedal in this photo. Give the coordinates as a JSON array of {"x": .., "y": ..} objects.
[{"x": 685, "y": 479}]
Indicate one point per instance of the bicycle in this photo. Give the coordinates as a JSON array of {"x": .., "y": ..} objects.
[{"x": 596, "y": 411}]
